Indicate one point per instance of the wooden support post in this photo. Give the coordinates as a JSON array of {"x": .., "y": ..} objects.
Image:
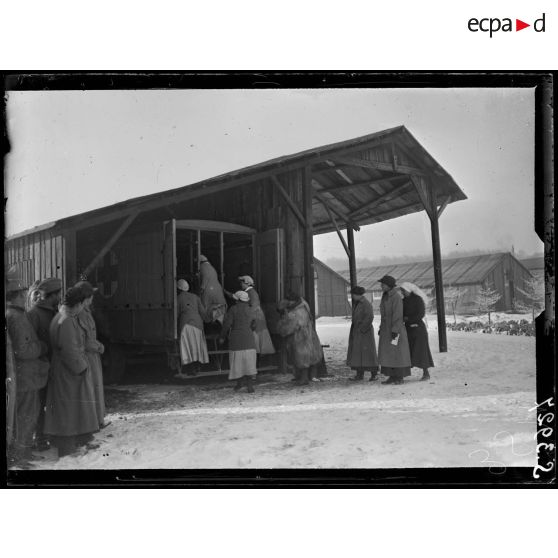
[
  {"x": 428, "y": 199},
  {"x": 110, "y": 243},
  {"x": 438, "y": 280},
  {"x": 290, "y": 202},
  {"x": 307, "y": 194},
  {"x": 352, "y": 257}
]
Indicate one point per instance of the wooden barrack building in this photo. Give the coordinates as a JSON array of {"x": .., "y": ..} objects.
[{"x": 261, "y": 218}]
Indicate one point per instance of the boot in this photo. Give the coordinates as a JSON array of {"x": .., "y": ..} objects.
[
  {"x": 249, "y": 384},
  {"x": 303, "y": 378},
  {"x": 390, "y": 380},
  {"x": 239, "y": 384},
  {"x": 425, "y": 375},
  {"x": 359, "y": 375},
  {"x": 373, "y": 376},
  {"x": 41, "y": 444},
  {"x": 192, "y": 369}
]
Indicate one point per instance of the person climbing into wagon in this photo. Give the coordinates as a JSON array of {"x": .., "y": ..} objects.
[{"x": 211, "y": 292}]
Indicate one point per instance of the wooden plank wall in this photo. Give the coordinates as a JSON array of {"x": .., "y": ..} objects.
[
  {"x": 332, "y": 293},
  {"x": 136, "y": 309},
  {"x": 38, "y": 256},
  {"x": 259, "y": 206}
]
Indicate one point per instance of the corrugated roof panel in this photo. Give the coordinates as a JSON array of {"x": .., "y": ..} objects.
[
  {"x": 480, "y": 269},
  {"x": 414, "y": 272},
  {"x": 455, "y": 271}
]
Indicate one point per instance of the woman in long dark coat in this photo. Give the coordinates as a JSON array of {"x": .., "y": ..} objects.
[
  {"x": 93, "y": 349},
  {"x": 238, "y": 326},
  {"x": 71, "y": 414},
  {"x": 361, "y": 354},
  {"x": 264, "y": 345},
  {"x": 413, "y": 313},
  {"x": 393, "y": 350}
]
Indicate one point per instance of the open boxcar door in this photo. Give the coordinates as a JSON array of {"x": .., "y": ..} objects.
[
  {"x": 270, "y": 257},
  {"x": 169, "y": 280}
]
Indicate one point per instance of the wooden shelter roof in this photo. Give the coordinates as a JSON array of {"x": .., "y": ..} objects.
[{"x": 359, "y": 181}]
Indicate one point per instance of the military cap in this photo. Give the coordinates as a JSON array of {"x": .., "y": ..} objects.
[
  {"x": 50, "y": 285},
  {"x": 388, "y": 280},
  {"x": 356, "y": 290}
]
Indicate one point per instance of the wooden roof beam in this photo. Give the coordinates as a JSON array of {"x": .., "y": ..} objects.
[
  {"x": 377, "y": 165},
  {"x": 370, "y": 182},
  {"x": 384, "y": 174},
  {"x": 343, "y": 216},
  {"x": 395, "y": 210},
  {"x": 381, "y": 199},
  {"x": 424, "y": 195},
  {"x": 110, "y": 243}
]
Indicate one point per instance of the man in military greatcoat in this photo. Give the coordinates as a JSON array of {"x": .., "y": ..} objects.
[
  {"x": 31, "y": 366},
  {"x": 40, "y": 315}
]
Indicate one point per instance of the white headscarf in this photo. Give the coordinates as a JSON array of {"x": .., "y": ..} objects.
[
  {"x": 412, "y": 288},
  {"x": 182, "y": 284},
  {"x": 242, "y": 296}
]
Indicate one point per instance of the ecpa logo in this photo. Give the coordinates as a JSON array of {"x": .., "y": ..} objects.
[{"x": 492, "y": 25}]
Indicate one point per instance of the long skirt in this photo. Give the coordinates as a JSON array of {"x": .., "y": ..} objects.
[
  {"x": 399, "y": 372},
  {"x": 264, "y": 345},
  {"x": 243, "y": 363},
  {"x": 421, "y": 357},
  {"x": 193, "y": 347}
]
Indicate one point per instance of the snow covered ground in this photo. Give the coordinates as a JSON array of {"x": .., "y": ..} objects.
[{"x": 473, "y": 412}]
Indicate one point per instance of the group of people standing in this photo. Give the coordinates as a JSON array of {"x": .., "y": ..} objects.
[
  {"x": 54, "y": 369},
  {"x": 403, "y": 338},
  {"x": 55, "y": 378},
  {"x": 243, "y": 324}
]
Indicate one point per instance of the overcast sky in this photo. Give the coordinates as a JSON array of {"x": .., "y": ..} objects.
[{"x": 73, "y": 151}]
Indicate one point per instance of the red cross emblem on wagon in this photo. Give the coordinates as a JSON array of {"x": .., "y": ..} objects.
[{"x": 107, "y": 275}]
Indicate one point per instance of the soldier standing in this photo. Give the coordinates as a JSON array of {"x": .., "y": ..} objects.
[
  {"x": 31, "y": 366},
  {"x": 40, "y": 315}
]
